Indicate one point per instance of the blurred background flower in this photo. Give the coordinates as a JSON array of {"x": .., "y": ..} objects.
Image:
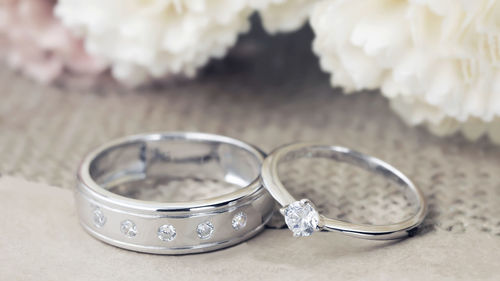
[
  {"x": 35, "y": 43},
  {"x": 156, "y": 39},
  {"x": 437, "y": 61}
]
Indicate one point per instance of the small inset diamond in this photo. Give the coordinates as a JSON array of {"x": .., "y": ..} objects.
[
  {"x": 239, "y": 221},
  {"x": 205, "y": 230},
  {"x": 166, "y": 232},
  {"x": 128, "y": 228},
  {"x": 99, "y": 218},
  {"x": 301, "y": 217}
]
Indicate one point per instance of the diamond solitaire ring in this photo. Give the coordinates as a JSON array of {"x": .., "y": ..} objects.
[
  {"x": 112, "y": 209},
  {"x": 302, "y": 217}
]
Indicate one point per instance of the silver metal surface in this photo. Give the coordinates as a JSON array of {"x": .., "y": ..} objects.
[
  {"x": 136, "y": 161},
  {"x": 270, "y": 177}
]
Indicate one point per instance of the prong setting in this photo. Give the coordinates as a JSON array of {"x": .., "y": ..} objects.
[{"x": 302, "y": 218}]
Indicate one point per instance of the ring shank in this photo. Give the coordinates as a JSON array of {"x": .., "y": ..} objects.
[{"x": 274, "y": 185}]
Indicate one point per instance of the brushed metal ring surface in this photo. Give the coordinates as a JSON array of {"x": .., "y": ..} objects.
[
  {"x": 172, "y": 227},
  {"x": 302, "y": 216}
]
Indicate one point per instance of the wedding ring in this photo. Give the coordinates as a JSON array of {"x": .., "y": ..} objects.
[
  {"x": 110, "y": 178},
  {"x": 302, "y": 217}
]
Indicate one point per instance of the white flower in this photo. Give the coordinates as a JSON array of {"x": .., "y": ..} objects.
[
  {"x": 437, "y": 60},
  {"x": 283, "y": 15},
  {"x": 156, "y": 38}
]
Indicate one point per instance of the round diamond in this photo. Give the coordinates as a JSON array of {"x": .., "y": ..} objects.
[
  {"x": 128, "y": 228},
  {"x": 239, "y": 221},
  {"x": 99, "y": 218},
  {"x": 205, "y": 230},
  {"x": 301, "y": 217},
  {"x": 166, "y": 232}
]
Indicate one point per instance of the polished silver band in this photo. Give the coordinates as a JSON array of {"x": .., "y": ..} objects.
[
  {"x": 109, "y": 175},
  {"x": 302, "y": 217}
]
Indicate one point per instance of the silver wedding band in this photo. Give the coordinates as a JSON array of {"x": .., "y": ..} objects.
[
  {"x": 109, "y": 177},
  {"x": 172, "y": 227}
]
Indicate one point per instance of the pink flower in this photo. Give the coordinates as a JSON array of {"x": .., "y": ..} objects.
[{"x": 33, "y": 41}]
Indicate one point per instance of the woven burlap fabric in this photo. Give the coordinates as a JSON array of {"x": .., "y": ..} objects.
[{"x": 269, "y": 91}]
